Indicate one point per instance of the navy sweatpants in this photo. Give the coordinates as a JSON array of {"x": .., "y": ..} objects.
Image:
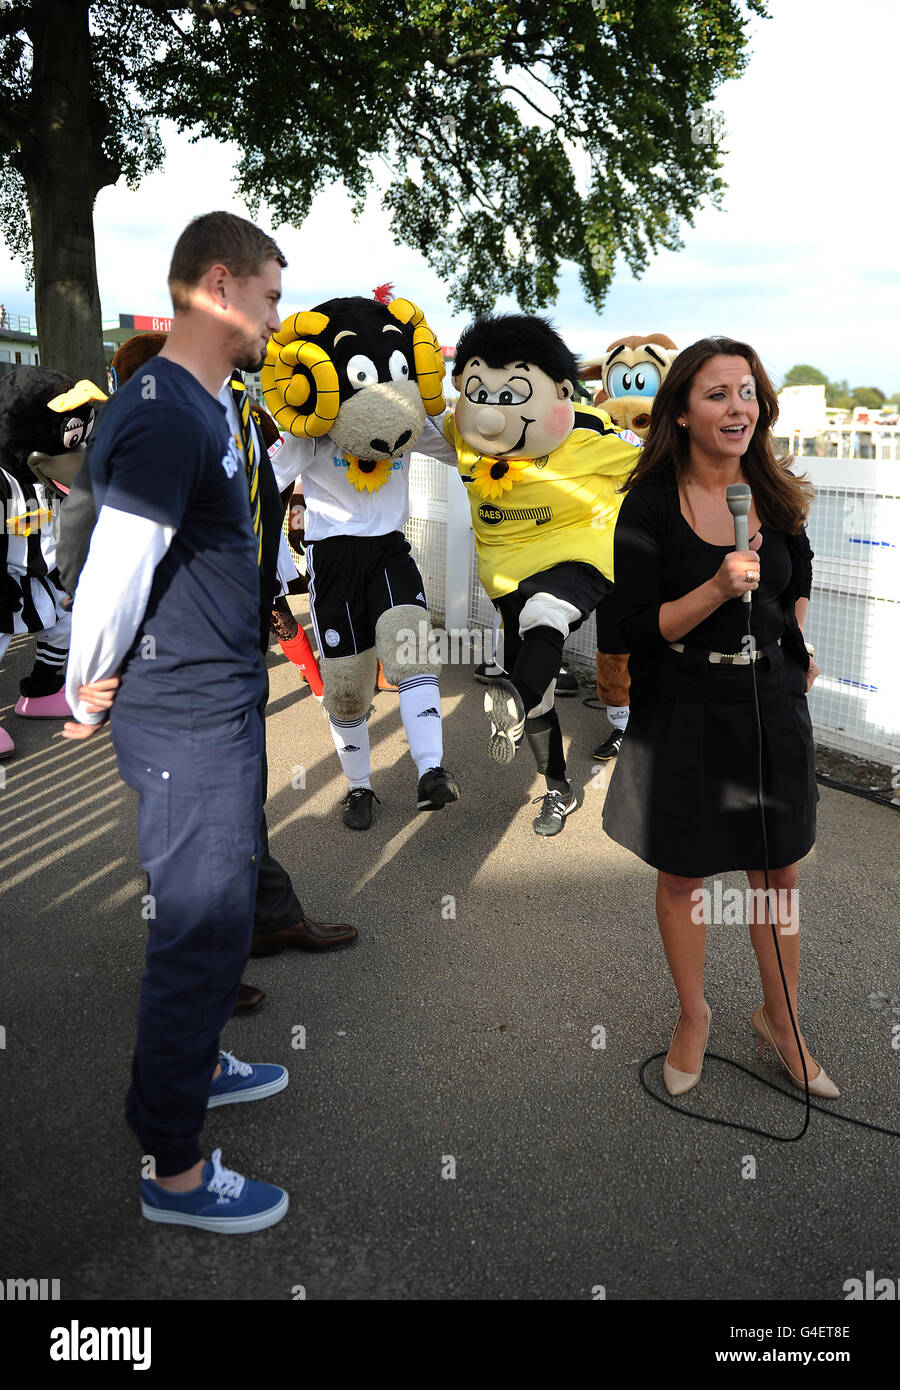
[{"x": 199, "y": 842}]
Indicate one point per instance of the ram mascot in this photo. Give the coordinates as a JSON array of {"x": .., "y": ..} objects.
[
  {"x": 630, "y": 373},
  {"x": 45, "y": 419},
  {"x": 352, "y": 385}
]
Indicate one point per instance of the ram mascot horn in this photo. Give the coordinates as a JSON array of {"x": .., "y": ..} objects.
[
  {"x": 362, "y": 371},
  {"x": 429, "y": 364},
  {"x": 297, "y": 368}
]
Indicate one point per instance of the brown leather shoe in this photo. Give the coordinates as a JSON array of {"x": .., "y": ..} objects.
[
  {"x": 309, "y": 936},
  {"x": 248, "y": 998}
]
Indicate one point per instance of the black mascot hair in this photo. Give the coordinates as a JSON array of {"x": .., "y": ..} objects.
[
  {"x": 25, "y": 422},
  {"x": 503, "y": 338}
]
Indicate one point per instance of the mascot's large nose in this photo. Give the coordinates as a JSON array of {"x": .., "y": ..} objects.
[{"x": 490, "y": 422}]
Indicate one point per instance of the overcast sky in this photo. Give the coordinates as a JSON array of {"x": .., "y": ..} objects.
[{"x": 802, "y": 261}]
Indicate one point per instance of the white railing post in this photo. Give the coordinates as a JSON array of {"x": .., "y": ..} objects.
[{"x": 459, "y": 546}]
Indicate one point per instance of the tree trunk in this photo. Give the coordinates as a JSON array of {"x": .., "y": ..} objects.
[{"x": 64, "y": 167}]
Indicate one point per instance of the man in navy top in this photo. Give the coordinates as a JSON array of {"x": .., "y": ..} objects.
[{"x": 169, "y": 596}]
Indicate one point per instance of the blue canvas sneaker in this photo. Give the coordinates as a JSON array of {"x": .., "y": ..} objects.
[
  {"x": 238, "y": 1081},
  {"x": 224, "y": 1202}
]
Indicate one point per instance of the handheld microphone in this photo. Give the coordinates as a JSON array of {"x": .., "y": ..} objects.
[{"x": 738, "y": 497}]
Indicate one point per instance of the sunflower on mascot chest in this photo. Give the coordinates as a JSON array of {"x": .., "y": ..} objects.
[
  {"x": 545, "y": 511},
  {"x": 367, "y": 477}
]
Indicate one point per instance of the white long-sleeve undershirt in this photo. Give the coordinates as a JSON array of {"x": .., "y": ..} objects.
[{"x": 111, "y": 598}]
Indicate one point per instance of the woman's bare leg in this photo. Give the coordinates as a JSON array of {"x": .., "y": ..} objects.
[
  {"x": 682, "y": 926},
  {"x": 787, "y": 925}
]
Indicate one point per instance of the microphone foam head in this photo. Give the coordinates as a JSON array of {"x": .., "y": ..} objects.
[{"x": 738, "y": 498}]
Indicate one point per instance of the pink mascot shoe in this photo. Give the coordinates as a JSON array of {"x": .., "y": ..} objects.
[
  {"x": 6, "y": 744},
  {"x": 44, "y": 707}
]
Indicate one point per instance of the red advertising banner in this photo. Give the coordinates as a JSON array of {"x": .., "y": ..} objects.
[{"x": 144, "y": 323}]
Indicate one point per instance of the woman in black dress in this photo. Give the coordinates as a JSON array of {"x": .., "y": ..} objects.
[{"x": 684, "y": 793}]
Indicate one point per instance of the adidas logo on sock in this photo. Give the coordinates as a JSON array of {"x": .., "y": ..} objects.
[
  {"x": 428, "y": 711},
  {"x": 351, "y": 747}
]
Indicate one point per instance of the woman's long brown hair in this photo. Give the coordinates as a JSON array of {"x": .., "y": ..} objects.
[{"x": 782, "y": 501}]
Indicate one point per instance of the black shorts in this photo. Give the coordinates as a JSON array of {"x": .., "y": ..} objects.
[
  {"x": 352, "y": 581},
  {"x": 579, "y": 584}
]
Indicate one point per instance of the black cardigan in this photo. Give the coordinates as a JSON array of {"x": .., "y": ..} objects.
[{"x": 648, "y": 545}]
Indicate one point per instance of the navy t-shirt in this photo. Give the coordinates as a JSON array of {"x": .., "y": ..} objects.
[{"x": 164, "y": 451}]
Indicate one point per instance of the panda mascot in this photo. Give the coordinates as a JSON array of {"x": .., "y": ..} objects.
[{"x": 45, "y": 419}]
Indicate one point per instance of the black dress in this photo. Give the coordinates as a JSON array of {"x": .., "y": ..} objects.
[{"x": 683, "y": 796}]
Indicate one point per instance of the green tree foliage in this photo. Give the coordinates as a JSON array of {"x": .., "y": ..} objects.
[
  {"x": 804, "y": 375},
  {"x": 868, "y": 396},
  {"x": 484, "y": 112},
  {"x": 838, "y": 393}
]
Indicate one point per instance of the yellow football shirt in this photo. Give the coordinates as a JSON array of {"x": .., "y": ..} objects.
[{"x": 562, "y": 507}]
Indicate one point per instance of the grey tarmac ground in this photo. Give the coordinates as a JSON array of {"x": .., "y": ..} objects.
[{"x": 437, "y": 1037}]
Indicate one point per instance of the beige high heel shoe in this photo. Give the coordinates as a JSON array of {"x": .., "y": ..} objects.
[
  {"x": 819, "y": 1085},
  {"x": 677, "y": 1082}
]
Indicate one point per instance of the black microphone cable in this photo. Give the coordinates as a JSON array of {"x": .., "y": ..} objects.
[{"x": 809, "y": 1105}]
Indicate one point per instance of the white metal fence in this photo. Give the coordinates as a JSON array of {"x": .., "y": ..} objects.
[
  {"x": 854, "y": 615},
  {"x": 854, "y": 612},
  {"x": 854, "y": 442}
]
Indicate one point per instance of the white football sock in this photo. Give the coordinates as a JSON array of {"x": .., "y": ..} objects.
[
  {"x": 618, "y": 716},
  {"x": 351, "y": 739},
  {"x": 420, "y": 710}
]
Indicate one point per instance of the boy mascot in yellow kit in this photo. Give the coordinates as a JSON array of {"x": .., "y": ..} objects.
[{"x": 542, "y": 475}]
